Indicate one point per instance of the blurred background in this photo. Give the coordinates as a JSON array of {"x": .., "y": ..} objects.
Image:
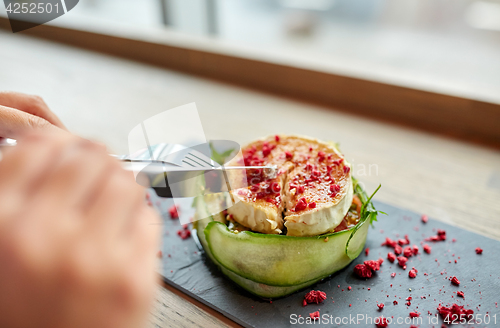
[{"x": 437, "y": 42}]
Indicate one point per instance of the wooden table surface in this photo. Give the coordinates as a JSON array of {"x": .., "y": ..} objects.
[{"x": 102, "y": 98}]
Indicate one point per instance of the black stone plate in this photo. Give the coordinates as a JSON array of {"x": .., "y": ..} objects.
[{"x": 186, "y": 268}]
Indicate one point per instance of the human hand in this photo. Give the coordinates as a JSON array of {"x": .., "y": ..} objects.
[
  {"x": 77, "y": 242},
  {"x": 21, "y": 112}
]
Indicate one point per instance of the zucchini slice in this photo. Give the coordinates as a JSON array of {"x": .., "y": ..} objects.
[{"x": 281, "y": 260}]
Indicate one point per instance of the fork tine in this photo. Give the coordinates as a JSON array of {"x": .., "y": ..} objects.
[
  {"x": 200, "y": 159},
  {"x": 190, "y": 161}
]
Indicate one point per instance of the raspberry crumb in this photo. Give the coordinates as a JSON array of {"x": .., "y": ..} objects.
[
  {"x": 349, "y": 288},
  {"x": 173, "y": 211},
  {"x": 454, "y": 310},
  {"x": 380, "y": 306},
  {"x": 367, "y": 251},
  {"x": 402, "y": 261},
  {"x": 398, "y": 249},
  {"x": 412, "y": 273},
  {"x": 314, "y": 296},
  {"x": 184, "y": 233},
  {"x": 479, "y": 250},
  {"x": 461, "y": 294},
  {"x": 414, "y": 314},
  {"x": 393, "y": 274},
  {"x": 455, "y": 281},
  {"x": 391, "y": 257},
  {"x": 381, "y": 322},
  {"x": 374, "y": 265},
  {"x": 403, "y": 242},
  {"x": 441, "y": 236},
  {"x": 389, "y": 242},
  {"x": 407, "y": 252},
  {"x": 425, "y": 218},
  {"x": 363, "y": 271},
  {"x": 427, "y": 249},
  {"x": 314, "y": 315}
]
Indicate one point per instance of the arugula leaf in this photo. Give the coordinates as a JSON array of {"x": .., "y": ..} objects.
[
  {"x": 219, "y": 157},
  {"x": 367, "y": 209}
]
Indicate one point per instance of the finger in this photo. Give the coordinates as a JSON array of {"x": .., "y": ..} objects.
[
  {"x": 24, "y": 166},
  {"x": 77, "y": 176},
  {"x": 146, "y": 232},
  {"x": 114, "y": 204},
  {"x": 143, "y": 246},
  {"x": 15, "y": 123},
  {"x": 30, "y": 104}
]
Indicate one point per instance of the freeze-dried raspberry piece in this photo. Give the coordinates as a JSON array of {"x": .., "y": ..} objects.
[
  {"x": 460, "y": 293},
  {"x": 402, "y": 261},
  {"x": 412, "y": 273},
  {"x": 380, "y": 306},
  {"x": 398, "y": 249},
  {"x": 389, "y": 242},
  {"x": 441, "y": 236},
  {"x": 455, "y": 281},
  {"x": 314, "y": 315},
  {"x": 173, "y": 211},
  {"x": 184, "y": 233},
  {"x": 408, "y": 252},
  {"x": 362, "y": 271},
  {"x": 415, "y": 249},
  {"x": 314, "y": 296},
  {"x": 427, "y": 249},
  {"x": 381, "y": 322},
  {"x": 374, "y": 265},
  {"x": 454, "y": 310},
  {"x": 425, "y": 218},
  {"x": 391, "y": 257},
  {"x": 479, "y": 250},
  {"x": 414, "y": 314},
  {"x": 403, "y": 242}
]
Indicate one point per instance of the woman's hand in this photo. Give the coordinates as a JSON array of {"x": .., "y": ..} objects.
[
  {"x": 78, "y": 243},
  {"x": 20, "y": 113}
]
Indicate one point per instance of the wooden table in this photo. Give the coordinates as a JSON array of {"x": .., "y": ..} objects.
[{"x": 102, "y": 98}]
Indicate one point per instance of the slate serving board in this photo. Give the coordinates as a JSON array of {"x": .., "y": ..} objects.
[{"x": 186, "y": 268}]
